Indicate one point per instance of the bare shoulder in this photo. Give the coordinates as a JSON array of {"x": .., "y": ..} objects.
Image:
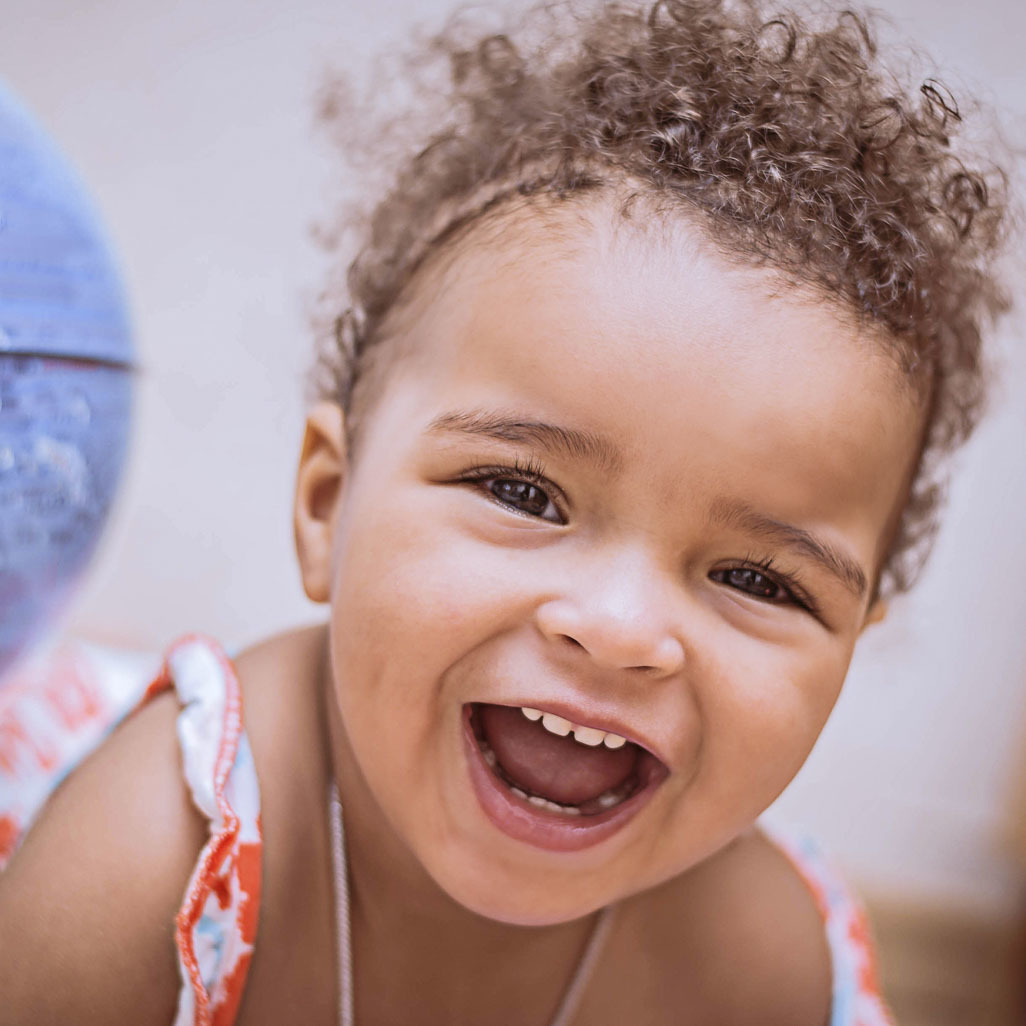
[
  {"x": 281, "y": 678},
  {"x": 87, "y": 905},
  {"x": 739, "y": 939},
  {"x": 777, "y": 960}
]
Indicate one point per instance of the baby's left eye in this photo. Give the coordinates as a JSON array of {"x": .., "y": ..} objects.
[{"x": 753, "y": 582}]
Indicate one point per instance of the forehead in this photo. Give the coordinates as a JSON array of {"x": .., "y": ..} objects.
[{"x": 546, "y": 277}]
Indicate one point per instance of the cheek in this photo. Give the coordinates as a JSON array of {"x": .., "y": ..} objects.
[
  {"x": 417, "y": 581},
  {"x": 763, "y": 709}
]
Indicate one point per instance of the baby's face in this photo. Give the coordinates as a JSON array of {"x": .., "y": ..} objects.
[{"x": 623, "y": 482}]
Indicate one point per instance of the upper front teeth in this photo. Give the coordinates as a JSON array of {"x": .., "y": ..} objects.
[{"x": 586, "y": 735}]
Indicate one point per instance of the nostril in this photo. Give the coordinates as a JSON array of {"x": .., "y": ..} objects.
[{"x": 572, "y": 642}]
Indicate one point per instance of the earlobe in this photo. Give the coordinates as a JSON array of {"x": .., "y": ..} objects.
[
  {"x": 322, "y": 464},
  {"x": 876, "y": 612}
]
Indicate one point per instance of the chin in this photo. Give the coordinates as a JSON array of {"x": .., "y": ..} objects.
[
  {"x": 532, "y": 889},
  {"x": 519, "y": 901}
]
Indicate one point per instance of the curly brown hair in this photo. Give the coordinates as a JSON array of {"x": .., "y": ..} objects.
[{"x": 784, "y": 139}]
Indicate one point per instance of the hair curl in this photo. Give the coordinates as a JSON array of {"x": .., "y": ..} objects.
[{"x": 787, "y": 139}]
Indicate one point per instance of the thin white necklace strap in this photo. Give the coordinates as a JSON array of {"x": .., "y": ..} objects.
[
  {"x": 582, "y": 974},
  {"x": 572, "y": 996},
  {"x": 343, "y": 932}
]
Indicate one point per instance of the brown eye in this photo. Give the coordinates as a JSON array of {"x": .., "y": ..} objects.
[
  {"x": 522, "y": 496},
  {"x": 753, "y": 582}
]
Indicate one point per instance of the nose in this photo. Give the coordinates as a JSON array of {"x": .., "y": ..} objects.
[{"x": 622, "y": 615}]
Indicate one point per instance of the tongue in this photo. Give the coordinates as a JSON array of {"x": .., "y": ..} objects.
[{"x": 558, "y": 768}]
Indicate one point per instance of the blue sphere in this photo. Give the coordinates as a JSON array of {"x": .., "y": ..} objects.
[{"x": 65, "y": 379}]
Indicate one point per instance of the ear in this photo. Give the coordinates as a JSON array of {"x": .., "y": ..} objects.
[
  {"x": 876, "y": 612},
  {"x": 322, "y": 465}
]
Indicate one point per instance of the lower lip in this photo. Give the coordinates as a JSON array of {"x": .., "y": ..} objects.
[{"x": 552, "y": 831}]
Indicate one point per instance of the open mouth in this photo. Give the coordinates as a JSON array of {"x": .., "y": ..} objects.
[{"x": 553, "y": 783}]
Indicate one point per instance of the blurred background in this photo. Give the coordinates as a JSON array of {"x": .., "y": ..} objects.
[{"x": 192, "y": 124}]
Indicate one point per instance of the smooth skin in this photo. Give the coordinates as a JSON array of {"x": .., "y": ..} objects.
[{"x": 688, "y": 545}]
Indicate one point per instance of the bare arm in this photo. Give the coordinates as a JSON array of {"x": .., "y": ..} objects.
[{"x": 87, "y": 904}]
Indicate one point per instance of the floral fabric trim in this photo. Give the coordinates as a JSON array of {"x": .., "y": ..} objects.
[{"x": 216, "y": 925}]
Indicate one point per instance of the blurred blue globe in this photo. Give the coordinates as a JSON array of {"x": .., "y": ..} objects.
[{"x": 65, "y": 379}]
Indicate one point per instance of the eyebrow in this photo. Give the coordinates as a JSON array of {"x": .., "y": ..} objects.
[
  {"x": 829, "y": 557},
  {"x": 553, "y": 438}
]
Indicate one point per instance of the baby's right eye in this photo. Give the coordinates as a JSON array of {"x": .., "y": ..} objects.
[{"x": 521, "y": 495}]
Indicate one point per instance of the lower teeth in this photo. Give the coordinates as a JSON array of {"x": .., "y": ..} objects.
[{"x": 605, "y": 801}]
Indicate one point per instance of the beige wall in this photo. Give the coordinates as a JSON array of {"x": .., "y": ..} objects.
[{"x": 191, "y": 122}]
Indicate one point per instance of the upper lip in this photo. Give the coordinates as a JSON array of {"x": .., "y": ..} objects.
[{"x": 598, "y": 721}]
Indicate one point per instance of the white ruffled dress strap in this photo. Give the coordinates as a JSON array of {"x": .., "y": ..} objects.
[
  {"x": 215, "y": 928},
  {"x": 857, "y": 998}
]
